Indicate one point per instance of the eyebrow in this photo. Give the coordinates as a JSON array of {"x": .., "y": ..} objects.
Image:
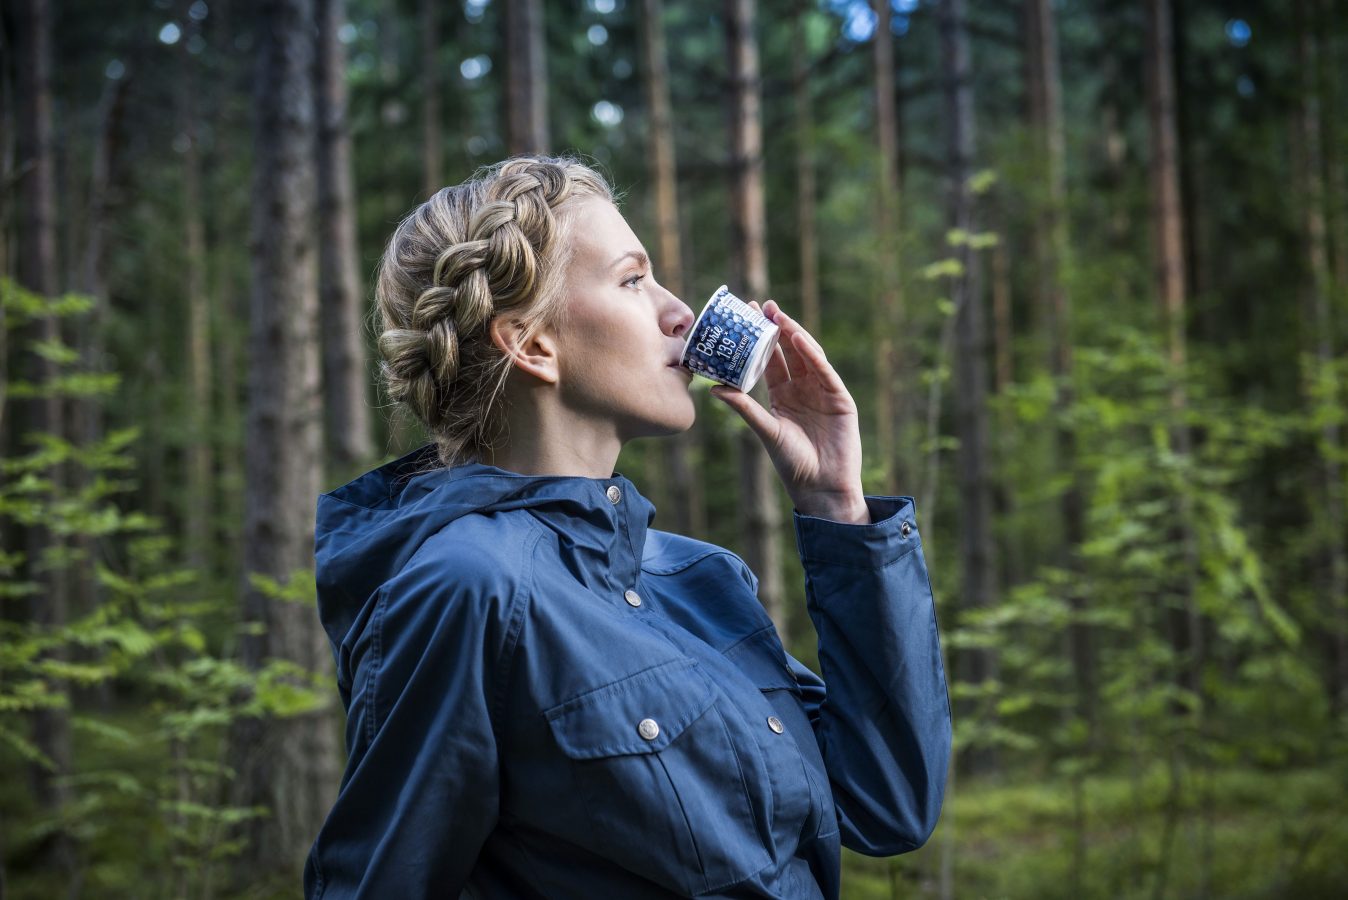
[{"x": 640, "y": 257}]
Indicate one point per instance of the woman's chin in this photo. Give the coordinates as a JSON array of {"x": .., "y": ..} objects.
[{"x": 678, "y": 421}]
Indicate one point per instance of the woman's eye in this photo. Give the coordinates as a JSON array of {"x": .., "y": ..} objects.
[{"x": 634, "y": 279}]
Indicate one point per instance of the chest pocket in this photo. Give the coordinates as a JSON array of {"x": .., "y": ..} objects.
[
  {"x": 797, "y": 766},
  {"x": 660, "y": 785}
]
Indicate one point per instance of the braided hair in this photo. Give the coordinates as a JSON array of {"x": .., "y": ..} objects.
[{"x": 498, "y": 242}]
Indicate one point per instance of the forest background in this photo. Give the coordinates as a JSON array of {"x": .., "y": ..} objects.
[{"x": 1083, "y": 266}]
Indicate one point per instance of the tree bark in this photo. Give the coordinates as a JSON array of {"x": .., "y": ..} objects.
[
  {"x": 526, "y": 78},
  {"x": 37, "y": 271},
  {"x": 682, "y": 489},
  {"x": 1053, "y": 251},
  {"x": 288, "y": 764},
  {"x": 199, "y": 362},
  {"x": 760, "y": 511},
  {"x": 1169, "y": 278},
  {"x": 341, "y": 295},
  {"x": 806, "y": 179},
  {"x": 977, "y": 554},
  {"x": 432, "y": 145},
  {"x": 888, "y": 310},
  {"x": 85, "y": 414},
  {"x": 1326, "y": 500}
]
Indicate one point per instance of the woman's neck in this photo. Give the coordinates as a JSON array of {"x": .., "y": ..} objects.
[{"x": 544, "y": 439}]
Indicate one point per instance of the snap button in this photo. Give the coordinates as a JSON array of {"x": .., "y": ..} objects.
[
  {"x": 775, "y": 724},
  {"x": 905, "y": 529},
  {"x": 614, "y": 494},
  {"x": 632, "y": 598},
  {"x": 648, "y": 729}
]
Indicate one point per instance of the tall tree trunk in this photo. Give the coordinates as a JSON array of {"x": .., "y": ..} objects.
[
  {"x": 888, "y": 311},
  {"x": 526, "y": 78},
  {"x": 199, "y": 363},
  {"x": 86, "y": 413},
  {"x": 977, "y": 555},
  {"x": 1052, "y": 254},
  {"x": 341, "y": 298},
  {"x": 1169, "y": 277},
  {"x": 1326, "y": 501},
  {"x": 682, "y": 489},
  {"x": 1011, "y": 562},
  {"x": 1333, "y": 137},
  {"x": 432, "y": 145},
  {"x": 806, "y": 180},
  {"x": 36, "y": 271},
  {"x": 760, "y": 508},
  {"x": 290, "y": 765}
]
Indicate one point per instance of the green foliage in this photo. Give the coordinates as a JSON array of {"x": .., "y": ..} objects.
[
  {"x": 150, "y": 762},
  {"x": 1276, "y": 834}
]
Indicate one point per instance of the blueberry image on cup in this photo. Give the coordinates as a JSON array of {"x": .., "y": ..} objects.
[{"x": 731, "y": 342}]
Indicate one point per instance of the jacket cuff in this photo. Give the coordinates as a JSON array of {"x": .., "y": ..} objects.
[{"x": 890, "y": 534}]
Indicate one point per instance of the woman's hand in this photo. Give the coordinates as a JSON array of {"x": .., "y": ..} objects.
[{"x": 810, "y": 430}]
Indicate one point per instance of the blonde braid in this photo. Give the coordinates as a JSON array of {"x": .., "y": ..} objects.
[{"x": 471, "y": 251}]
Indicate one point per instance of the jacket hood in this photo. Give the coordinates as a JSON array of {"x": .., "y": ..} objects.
[{"x": 367, "y": 529}]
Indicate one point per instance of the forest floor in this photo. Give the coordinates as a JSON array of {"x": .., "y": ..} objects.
[{"x": 1261, "y": 834}]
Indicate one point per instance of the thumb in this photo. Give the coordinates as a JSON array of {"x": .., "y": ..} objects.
[{"x": 758, "y": 418}]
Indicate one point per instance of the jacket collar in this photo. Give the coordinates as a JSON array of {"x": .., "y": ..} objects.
[
  {"x": 600, "y": 523},
  {"x": 367, "y": 529}
]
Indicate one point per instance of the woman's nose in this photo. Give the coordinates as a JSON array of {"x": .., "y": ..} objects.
[{"x": 679, "y": 318}]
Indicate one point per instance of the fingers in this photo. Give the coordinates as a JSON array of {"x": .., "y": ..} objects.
[
  {"x": 803, "y": 351},
  {"x": 777, "y": 370},
  {"x": 753, "y": 413}
]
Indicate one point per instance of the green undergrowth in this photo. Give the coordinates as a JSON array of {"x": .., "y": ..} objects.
[{"x": 1257, "y": 834}]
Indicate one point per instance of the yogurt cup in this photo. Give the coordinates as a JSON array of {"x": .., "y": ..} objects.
[{"x": 730, "y": 343}]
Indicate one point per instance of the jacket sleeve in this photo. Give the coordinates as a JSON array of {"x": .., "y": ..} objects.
[
  {"x": 421, "y": 789},
  {"x": 883, "y": 722}
]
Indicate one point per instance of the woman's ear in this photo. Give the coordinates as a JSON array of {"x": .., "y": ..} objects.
[{"x": 536, "y": 355}]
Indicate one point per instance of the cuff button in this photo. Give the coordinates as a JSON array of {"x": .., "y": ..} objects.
[{"x": 905, "y": 529}]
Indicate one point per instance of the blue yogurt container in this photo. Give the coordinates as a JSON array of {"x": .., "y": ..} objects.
[{"x": 730, "y": 342}]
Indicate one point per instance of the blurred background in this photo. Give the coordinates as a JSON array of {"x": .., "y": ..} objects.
[{"x": 1082, "y": 264}]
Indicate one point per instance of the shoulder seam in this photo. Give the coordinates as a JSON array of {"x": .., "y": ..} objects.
[
  {"x": 670, "y": 570},
  {"x": 376, "y": 666},
  {"x": 515, "y": 625}
]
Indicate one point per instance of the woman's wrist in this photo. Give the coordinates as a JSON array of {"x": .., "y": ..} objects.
[{"x": 848, "y": 508}]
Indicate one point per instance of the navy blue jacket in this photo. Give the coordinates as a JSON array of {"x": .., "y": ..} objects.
[{"x": 548, "y": 698}]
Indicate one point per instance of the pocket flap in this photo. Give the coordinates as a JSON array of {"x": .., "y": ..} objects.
[
  {"x": 761, "y": 657},
  {"x": 606, "y": 721}
]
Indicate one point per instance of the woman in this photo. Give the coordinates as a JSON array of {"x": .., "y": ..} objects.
[{"x": 548, "y": 698}]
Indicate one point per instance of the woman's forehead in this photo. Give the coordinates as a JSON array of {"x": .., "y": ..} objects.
[{"x": 602, "y": 237}]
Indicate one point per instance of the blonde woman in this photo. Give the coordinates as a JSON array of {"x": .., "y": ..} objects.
[{"x": 546, "y": 696}]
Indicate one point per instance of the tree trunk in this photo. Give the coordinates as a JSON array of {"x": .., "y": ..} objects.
[
  {"x": 1333, "y": 136},
  {"x": 806, "y": 180},
  {"x": 289, "y": 764},
  {"x": 888, "y": 310},
  {"x": 526, "y": 78},
  {"x": 1052, "y": 252},
  {"x": 760, "y": 510},
  {"x": 432, "y": 145},
  {"x": 341, "y": 296},
  {"x": 1169, "y": 276},
  {"x": 36, "y": 271},
  {"x": 1326, "y": 500},
  {"x": 1011, "y": 563},
  {"x": 977, "y": 554},
  {"x": 682, "y": 489},
  {"x": 199, "y": 363},
  {"x": 86, "y": 425}
]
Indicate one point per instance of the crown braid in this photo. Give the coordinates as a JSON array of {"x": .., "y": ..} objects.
[{"x": 471, "y": 251}]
